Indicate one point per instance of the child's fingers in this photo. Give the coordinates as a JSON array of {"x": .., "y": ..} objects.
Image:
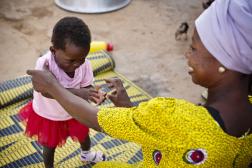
[
  {"x": 103, "y": 98},
  {"x": 95, "y": 95},
  {"x": 97, "y": 101},
  {"x": 97, "y": 87},
  {"x": 94, "y": 91},
  {"x": 94, "y": 99}
]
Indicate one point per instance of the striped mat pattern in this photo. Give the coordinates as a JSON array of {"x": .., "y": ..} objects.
[{"x": 16, "y": 150}]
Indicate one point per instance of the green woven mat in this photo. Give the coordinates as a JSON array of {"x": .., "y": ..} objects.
[{"x": 16, "y": 150}]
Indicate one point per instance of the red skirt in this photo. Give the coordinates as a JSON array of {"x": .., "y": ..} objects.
[{"x": 51, "y": 133}]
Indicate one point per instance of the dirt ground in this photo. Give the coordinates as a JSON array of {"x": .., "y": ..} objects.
[{"x": 145, "y": 50}]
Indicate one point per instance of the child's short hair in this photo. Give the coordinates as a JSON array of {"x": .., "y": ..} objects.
[{"x": 70, "y": 29}]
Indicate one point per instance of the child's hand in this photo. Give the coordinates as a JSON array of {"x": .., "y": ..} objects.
[{"x": 96, "y": 96}]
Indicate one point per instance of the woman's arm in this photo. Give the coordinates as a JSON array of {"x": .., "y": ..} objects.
[
  {"x": 45, "y": 82},
  {"x": 77, "y": 107},
  {"x": 80, "y": 109}
]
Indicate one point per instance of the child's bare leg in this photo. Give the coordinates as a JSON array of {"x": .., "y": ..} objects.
[
  {"x": 48, "y": 155},
  {"x": 86, "y": 144}
]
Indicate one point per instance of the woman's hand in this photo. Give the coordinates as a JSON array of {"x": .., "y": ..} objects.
[
  {"x": 43, "y": 80},
  {"x": 119, "y": 96}
]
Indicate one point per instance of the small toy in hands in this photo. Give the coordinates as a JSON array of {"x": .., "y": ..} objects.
[
  {"x": 98, "y": 99},
  {"x": 103, "y": 90}
]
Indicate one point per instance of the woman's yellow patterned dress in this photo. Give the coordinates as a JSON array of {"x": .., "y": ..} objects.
[{"x": 175, "y": 133}]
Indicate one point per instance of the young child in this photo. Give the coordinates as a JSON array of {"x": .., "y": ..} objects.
[{"x": 45, "y": 117}]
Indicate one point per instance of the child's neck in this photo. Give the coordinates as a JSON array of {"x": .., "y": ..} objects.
[{"x": 70, "y": 74}]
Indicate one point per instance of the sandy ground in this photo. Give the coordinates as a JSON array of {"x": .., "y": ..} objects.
[{"x": 145, "y": 50}]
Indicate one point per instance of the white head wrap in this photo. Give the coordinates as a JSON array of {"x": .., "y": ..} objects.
[{"x": 225, "y": 29}]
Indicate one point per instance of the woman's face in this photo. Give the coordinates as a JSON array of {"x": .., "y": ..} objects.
[
  {"x": 70, "y": 58},
  {"x": 203, "y": 67}
]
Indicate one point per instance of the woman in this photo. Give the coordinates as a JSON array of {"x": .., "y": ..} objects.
[{"x": 177, "y": 133}]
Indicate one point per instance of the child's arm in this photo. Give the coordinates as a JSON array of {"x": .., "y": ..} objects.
[
  {"x": 82, "y": 92},
  {"x": 86, "y": 93}
]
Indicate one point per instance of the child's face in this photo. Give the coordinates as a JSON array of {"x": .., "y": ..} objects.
[
  {"x": 70, "y": 58},
  {"x": 203, "y": 67}
]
